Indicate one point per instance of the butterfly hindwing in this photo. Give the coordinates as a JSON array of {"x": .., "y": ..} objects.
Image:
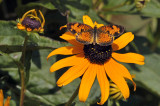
[
  {"x": 104, "y": 38},
  {"x": 85, "y": 37}
]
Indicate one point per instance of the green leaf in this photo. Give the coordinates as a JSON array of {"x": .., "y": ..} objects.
[
  {"x": 11, "y": 39},
  {"x": 37, "y": 5},
  {"x": 27, "y": 65},
  {"x": 151, "y": 9},
  {"x": 42, "y": 86},
  {"x": 75, "y": 9},
  {"x": 43, "y": 3}
]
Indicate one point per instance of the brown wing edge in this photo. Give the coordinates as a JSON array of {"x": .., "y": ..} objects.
[{"x": 121, "y": 30}]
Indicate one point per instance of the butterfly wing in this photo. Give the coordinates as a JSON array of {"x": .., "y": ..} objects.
[
  {"x": 78, "y": 27},
  {"x": 85, "y": 37},
  {"x": 114, "y": 30},
  {"x": 84, "y": 33},
  {"x": 103, "y": 38}
]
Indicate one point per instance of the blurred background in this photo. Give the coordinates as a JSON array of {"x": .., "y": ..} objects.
[{"x": 141, "y": 17}]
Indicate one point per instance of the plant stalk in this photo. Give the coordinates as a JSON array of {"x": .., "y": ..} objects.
[
  {"x": 22, "y": 72},
  {"x": 73, "y": 97}
]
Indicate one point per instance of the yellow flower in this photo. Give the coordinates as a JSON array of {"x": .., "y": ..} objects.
[
  {"x": 114, "y": 92},
  {"x": 86, "y": 61},
  {"x": 1, "y": 99},
  {"x": 140, "y": 4},
  {"x": 31, "y": 22}
]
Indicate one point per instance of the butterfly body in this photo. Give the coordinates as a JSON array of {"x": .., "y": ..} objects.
[{"x": 103, "y": 35}]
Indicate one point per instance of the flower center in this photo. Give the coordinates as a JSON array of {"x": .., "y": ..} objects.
[
  {"x": 97, "y": 54},
  {"x": 31, "y": 23}
]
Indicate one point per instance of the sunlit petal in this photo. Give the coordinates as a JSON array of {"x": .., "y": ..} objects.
[
  {"x": 122, "y": 41},
  {"x": 86, "y": 82},
  {"x": 114, "y": 73},
  {"x": 129, "y": 58},
  {"x": 68, "y": 50},
  {"x": 87, "y": 20},
  {"x": 73, "y": 73},
  {"x": 69, "y": 61},
  {"x": 124, "y": 72},
  {"x": 97, "y": 25},
  {"x": 104, "y": 84},
  {"x": 1, "y": 97},
  {"x": 71, "y": 39},
  {"x": 7, "y": 102}
]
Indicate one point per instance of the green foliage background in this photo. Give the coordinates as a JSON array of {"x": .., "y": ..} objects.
[{"x": 41, "y": 89}]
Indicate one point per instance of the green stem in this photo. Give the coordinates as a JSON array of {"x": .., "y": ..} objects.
[
  {"x": 22, "y": 86},
  {"x": 135, "y": 47},
  {"x": 22, "y": 73},
  {"x": 73, "y": 97},
  {"x": 96, "y": 4},
  {"x": 24, "y": 50}
]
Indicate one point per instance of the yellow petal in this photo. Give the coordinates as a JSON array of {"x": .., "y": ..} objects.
[
  {"x": 97, "y": 25},
  {"x": 125, "y": 73},
  {"x": 69, "y": 61},
  {"x": 73, "y": 73},
  {"x": 104, "y": 84},
  {"x": 68, "y": 50},
  {"x": 20, "y": 26},
  {"x": 115, "y": 75},
  {"x": 122, "y": 41},
  {"x": 129, "y": 58},
  {"x": 86, "y": 82},
  {"x": 64, "y": 26},
  {"x": 87, "y": 20},
  {"x": 71, "y": 39},
  {"x": 1, "y": 97},
  {"x": 7, "y": 102}
]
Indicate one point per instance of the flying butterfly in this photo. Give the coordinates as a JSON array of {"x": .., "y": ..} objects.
[{"x": 102, "y": 36}]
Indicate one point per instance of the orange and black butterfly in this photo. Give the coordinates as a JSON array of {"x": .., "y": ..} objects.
[{"x": 103, "y": 35}]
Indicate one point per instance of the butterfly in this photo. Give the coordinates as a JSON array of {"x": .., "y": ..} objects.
[{"x": 102, "y": 36}]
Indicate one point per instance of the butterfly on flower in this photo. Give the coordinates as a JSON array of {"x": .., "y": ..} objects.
[{"x": 102, "y": 36}]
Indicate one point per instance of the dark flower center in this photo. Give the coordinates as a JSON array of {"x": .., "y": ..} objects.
[
  {"x": 97, "y": 54},
  {"x": 31, "y": 23},
  {"x": 142, "y": 2}
]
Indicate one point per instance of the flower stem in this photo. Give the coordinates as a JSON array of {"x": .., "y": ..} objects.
[
  {"x": 22, "y": 73},
  {"x": 72, "y": 97},
  {"x": 22, "y": 86}
]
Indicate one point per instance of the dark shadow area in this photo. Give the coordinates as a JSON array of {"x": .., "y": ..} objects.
[
  {"x": 141, "y": 98},
  {"x": 7, "y": 83},
  {"x": 36, "y": 59},
  {"x": 52, "y": 26}
]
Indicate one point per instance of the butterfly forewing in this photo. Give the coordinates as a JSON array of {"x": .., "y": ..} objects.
[
  {"x": 114, "y": 30},
  {"x": 78, "y": 27},
  {"x": 83, "y": 32}
]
